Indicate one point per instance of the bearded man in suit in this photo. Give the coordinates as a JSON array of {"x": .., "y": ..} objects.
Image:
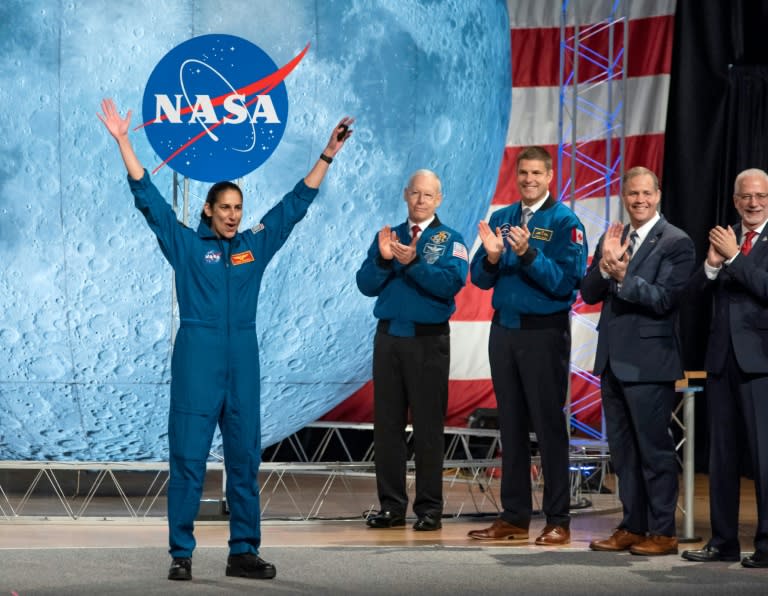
[{"x": 736, "y": 272}]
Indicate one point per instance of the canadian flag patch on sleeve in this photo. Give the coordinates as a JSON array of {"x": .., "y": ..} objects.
[{"x": 577, "y": 236}]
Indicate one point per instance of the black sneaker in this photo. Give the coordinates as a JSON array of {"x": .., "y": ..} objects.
[
  {"x": 180, "y": 569},
  {"x": 250, "y": 566}
]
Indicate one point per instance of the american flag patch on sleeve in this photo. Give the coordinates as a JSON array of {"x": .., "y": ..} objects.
[{"x": 459, "y": 250}]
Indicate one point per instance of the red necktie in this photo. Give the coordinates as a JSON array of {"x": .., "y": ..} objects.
[
  {"x": 746, "y": 246},
  {"x": 415, "y": 231}
]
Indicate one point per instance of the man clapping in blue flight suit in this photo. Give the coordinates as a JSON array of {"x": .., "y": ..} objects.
[
  {"x": 414, "y": 270},
  {"x": 215, "y": 366}
]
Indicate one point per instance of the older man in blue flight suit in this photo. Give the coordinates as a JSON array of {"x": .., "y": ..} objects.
[
  {"x": 414, "y": 270},
  {"x": 215, "y": 365}
]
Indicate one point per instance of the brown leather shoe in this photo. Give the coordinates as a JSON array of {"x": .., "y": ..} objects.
[
  {"x": 656, "y": 545},
  {"x": 553, "y": 536},
  {"x": 620, "y": 540},
  {"x": 500, "y": 530}
]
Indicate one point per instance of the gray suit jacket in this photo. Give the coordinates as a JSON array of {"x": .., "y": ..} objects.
[{"x": 638, "y": 329}]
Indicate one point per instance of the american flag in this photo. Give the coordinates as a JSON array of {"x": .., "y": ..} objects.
[
  {"x": 459, "y": 250},
  {"x": 535, "y": 38}
]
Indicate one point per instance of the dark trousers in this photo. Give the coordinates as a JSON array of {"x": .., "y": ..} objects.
[
  {"x": 410, "y": 373},
  {"x": 637, "y": 417},
  {"x": 738, "y": 412},
  {"x": 529, "y": 369}
]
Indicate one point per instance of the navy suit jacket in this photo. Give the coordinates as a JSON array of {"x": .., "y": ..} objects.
[
  {"x": 638, "y": 328},
  {"x": 740, "y": 309}
]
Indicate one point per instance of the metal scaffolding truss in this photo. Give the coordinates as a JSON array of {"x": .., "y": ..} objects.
[
  {"x": 593, "y": 78},
  {"x": 471, "y": 465},
  {"x": 590, "y": 154}
]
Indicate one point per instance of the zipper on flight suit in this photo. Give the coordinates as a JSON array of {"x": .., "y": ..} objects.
[{"x": 227, "y": 322}]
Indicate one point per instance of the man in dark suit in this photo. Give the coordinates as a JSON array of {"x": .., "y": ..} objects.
[
  {"x": 736, "y": 271},
  {"x": 639, "y": 272}
]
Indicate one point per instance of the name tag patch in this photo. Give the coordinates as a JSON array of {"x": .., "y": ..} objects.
[
  {"x": 242, "y": 258},
  {"x": 541, "y": 234}
]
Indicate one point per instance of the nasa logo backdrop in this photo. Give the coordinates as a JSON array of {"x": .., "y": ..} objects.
[{"x": 215, "y": 107}]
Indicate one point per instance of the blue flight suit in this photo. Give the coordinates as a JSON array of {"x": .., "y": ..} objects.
[
  {"x": 215, "y": 366},
  {"x": 411, "y": 359},
  {"x": 529, "y": 351}
]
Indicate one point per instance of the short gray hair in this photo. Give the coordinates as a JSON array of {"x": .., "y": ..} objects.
[
  {"x": 747, "y": 173},
  {"x": 425, "y": 172}
]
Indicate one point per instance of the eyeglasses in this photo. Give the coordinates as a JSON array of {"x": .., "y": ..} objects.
[
  {"x": 760, "y": 196},
  {"x": 416, "y": 194}
]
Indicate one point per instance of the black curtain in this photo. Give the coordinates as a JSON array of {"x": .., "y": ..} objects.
[
  {"x": 717, "y": 125},
  {"x": 746, "y": 141}
]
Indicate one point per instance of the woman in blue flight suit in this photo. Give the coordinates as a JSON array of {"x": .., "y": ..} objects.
[{"x": 215, "y": 364}]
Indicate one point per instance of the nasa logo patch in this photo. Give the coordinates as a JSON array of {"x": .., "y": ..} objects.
[{"x": 212, "y": 256}]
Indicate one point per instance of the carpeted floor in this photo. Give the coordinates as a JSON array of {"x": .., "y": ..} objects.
[{"x": 421, "y": 571}]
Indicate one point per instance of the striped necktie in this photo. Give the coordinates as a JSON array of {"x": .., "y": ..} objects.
[{"x": 632, "y": 244}]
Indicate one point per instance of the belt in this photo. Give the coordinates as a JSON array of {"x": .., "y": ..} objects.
[
  {"x": 419, "y": 329},
  {"x": 557, "y": 320}
]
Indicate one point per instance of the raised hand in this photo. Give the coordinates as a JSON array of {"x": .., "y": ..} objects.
[
  {"x": 386, "y": 239},
  {"x": 117, "y": 126},
  {"x": 613, "y": 248},
  {"x": 492, "y": 242},
  {"x": 405, "y": 253},
  {"x": 724, "y": 241},
  {"x": 342, "y": 130},
  {"x": 518, "y": 239},
  {"x": 614, "y": 258}
]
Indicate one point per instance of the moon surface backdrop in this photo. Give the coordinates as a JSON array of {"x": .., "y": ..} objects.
[{"x": 88, "y": 318}]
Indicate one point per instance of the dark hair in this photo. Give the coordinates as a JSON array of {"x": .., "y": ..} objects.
[
  {"x": 537, "y": 153},
  {"x": 213, "y": 196}
]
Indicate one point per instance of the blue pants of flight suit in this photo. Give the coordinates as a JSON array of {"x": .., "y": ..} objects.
[{"x": 215, "y": 380}]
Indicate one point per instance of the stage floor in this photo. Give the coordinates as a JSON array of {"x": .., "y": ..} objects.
[
  {"x": 116, "y": 555},
  {"x": 340, "y": 523}
]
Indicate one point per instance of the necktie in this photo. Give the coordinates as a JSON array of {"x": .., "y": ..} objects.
[
  {"x": 632, "y": 244},
  {"x": 415, "y": 231},
  {"x": 746, "y": 246},
  {"x": 527, "y": 215}
]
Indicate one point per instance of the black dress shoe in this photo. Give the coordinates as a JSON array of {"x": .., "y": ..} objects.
[
  {"x": 427, "y": 523},
  {"x": 385, "y": 519},
  {"x": 709, "y": 554},
  {"x": 757, "y": 560},
  {"x": 181, "y": 569},
  {"x": 250, "y": 566}
]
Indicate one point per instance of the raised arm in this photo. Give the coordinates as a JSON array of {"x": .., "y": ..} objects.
[
  {"x": 118, "y": 128},
  {"x": 339, "y": 136}
]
